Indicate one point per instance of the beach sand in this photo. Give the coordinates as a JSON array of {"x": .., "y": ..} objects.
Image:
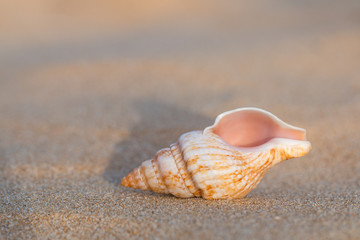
[{"x": 89, "y": 91}]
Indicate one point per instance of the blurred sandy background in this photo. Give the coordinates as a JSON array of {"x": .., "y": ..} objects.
[{"x": 90, "y": 89}]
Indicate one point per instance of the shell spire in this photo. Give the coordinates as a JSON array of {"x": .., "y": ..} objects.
[
  {"x": 165, "y": 173},
  {"x": 226, "y": 160}
]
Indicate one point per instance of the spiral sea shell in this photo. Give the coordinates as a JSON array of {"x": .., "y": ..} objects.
[{"x": 226, "y": 160}]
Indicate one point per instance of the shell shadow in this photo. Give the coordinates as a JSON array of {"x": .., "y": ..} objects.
[{"x": 160, "y": 125}]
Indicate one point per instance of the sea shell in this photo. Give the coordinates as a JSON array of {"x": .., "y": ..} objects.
[{"x": 226, "y": 160}]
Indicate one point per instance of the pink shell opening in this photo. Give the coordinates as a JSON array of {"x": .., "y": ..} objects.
[{"x": 252, "y": 128}]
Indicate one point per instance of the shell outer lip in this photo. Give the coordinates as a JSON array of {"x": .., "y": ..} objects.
[{"x": 267, "y": 145}]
